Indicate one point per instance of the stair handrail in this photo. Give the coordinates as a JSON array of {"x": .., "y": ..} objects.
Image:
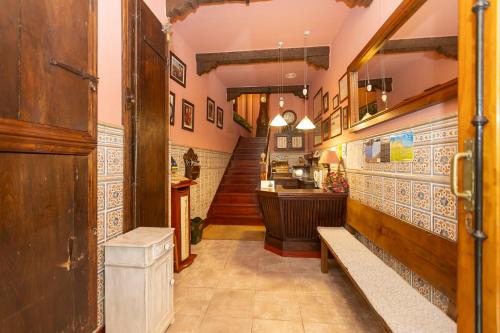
[{"x": 268, "y": 154}]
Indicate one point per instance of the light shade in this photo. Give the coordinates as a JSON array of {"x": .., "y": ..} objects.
[
  {"x": 305, "y": 124},
  {"x": 329, "y": 157},
  {"x": 278, "y": 121}
]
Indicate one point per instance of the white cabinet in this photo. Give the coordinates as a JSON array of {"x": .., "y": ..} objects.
[{"x": 139, "y": 281}]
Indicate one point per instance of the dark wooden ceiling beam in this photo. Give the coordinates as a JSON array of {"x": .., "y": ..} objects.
[
  {"x": 180, "y": 8},
  {"x": 233, "y": 93},
  {"x": 377, "y": 84},
  {"x": 318, "y": 56},
  {"x": 447, "y": 46}
]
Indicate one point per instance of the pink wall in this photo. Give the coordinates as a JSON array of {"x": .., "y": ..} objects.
[
  {"x": 206, "y": 134},
  {"x": 109, "y": 70},
  {"x": 363, "y": 23}
]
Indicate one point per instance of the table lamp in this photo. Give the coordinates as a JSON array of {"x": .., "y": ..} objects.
[{"x": 329, "y": 157}]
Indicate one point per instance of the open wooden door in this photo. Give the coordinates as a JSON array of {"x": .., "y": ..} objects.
[
  {"x": 145, "y": 117},
  {"x": 48, "y": 166},
  {"x": 467, "y": 312}
]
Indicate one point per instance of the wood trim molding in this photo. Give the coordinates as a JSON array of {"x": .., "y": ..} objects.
[
  {"x": 233, "y": 93},
  {"x": 447, "y": 46},
  {"x": 318, "y": 56},
  {"x": 181, "y": 8},
  {"x": 429, "y": 97},
  {"x": 404, "y": 11},
  {"x": 432, "y": 257}
]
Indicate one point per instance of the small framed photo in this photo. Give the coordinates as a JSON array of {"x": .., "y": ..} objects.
[
  {"x": 335, "y": 124},
  {"x": 171, "y": 108},
  {"x": 177, "y": 70},
  {"x": 210, "y": 110},
  {"x": 267, "y": 184},
  {"x": 187, "y": 115},
  {"x": 343, "y": 88},
  {"x": 317, "y": 140},
  {"x": 326, "y": 102},
  {"x": 326, "y": 128},
  {"x": 220, "y": 117},
  {"x": 318, "y": 104},
  {"x": 335, "y": 101},
  {"x": 345, "y": 117}
]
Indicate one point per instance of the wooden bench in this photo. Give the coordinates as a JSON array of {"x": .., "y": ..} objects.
[{"x": 399, "y": 305}]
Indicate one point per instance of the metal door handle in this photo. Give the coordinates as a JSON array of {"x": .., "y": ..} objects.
[{"x": 454, "y": 175}]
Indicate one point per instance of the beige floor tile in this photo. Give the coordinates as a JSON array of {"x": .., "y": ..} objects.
[
  {"x": 204, "y": 277},
  {"x": 304, "y": 264},
  {"x": 280, "y": 306},
  {"x": 275, "y": 282},
  {"x": 248, "y": 264},
  {"x": 192, "y": 301},
  {"x": 239, "y": 280},
  {"x": 225, "y": 324},
  {"x": 318, "y": 309},
  {"x": 273, "y": 264},
  {"x": 232, "y": 303},
  {"x": 328, "y": 328},
  {"x": 184, "y": 324},
  {"x": 315, "y": 283},
  {"x": 276, "y": 326}
]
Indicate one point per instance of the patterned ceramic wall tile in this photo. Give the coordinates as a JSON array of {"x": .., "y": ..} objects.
[
  {"x": 389, "y": 189},
  {"x": 441, "y": 158},
  {"x": 444, "y": 202},
  {"x": 403, "y": 191},
  {"x": 440, "y": 300},
  {"x": 422, "y": 286},
  {"x": 403, "y": 167},
  {"x": 389, "y": 207},
  {"x": 421, "y": 195},
  {"x": 445, "y": 228},
  {"x": 422, "y": 160},
  {"x": 389, "y": 167},
  {"x": 421, "y": 219},
  {"x": 110, "y": 198},
  {"x": 405, "y": 272},
  {"x": 403, "y": 213},
  {"x": 368, "y": 187},
  {"x": 377, "y": 203},
  {"x": 445, "y": 133},
  {"x": 423, "y": 137},
  {"x": 377, "y": 186}
]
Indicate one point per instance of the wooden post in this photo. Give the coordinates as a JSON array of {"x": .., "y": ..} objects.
[{"x": 324, "y": 257}]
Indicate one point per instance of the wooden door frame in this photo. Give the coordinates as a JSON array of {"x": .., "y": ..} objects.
[
  {"x": 491, "y": 190},
  {"x": 130, "y": 10}
]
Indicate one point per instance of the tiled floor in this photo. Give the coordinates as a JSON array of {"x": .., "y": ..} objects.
[{"x": 238, "y": 287}]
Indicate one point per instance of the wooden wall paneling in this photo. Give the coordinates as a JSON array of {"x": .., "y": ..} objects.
[
  {"x": 432, "y": 257},
  {"x": 9, "y": 86}
]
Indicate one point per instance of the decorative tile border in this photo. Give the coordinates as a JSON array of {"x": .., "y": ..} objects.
[{"x": 109, "y": 199}]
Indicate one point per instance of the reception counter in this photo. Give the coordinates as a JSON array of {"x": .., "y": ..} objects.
[{"x": 291, "y": 218}]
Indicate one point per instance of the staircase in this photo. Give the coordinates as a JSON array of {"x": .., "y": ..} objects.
[{"x": 236, "y": 200}]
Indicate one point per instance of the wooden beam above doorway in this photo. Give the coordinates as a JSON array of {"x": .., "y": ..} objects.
[
  {"x": 380, "y": 84},
  {"x": 318, "y": 56},
  {"x": 233, "y": 93},
  {"x": 180, "y": 8},
  {"x": 447, "y": 46}
]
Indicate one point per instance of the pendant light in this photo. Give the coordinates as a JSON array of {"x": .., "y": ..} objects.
[
  {"x": 279, "y": 121},
  {"x": 305, "y": 123},
  {"x": 369, "y": 86}
]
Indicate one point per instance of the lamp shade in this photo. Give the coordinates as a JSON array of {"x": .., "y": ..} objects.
[
  {"x": 278, "y": 121},
  {"x": 305, "y": 124},
  {"x": 329, "y": 157}
]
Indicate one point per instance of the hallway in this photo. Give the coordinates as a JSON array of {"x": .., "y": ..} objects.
[{"x": 237, "y": 286}]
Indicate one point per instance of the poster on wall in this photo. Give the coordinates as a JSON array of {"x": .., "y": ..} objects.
[
  {"x": 318, "y": 104},
  {"x": 317, "y": 140},
  {"x": 402, "y": 147},
  {"x": 336, "y": 126},
  {"x": 177, "y": 70},
  {"x": 210, "y": 110},
  {"x": 220, "y": 117}
]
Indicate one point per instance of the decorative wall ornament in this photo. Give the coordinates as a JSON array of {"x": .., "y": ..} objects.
[
  {"x": 318, "y": 104},
  {"x": 187, "y": 115},
  {"x": 210, "y": 110},
  {"x": 343, "y": 88},
  {"x": 326, "y": 102},
  {"x": 177, "y": 70},
  {"x": 171, "y": 108},
  {"x": 220, "y": 117}
]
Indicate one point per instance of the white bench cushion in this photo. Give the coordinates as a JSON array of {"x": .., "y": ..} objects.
[{"x": 402, "y": 307}]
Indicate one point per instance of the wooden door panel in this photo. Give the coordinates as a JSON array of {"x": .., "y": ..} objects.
[
  {"x": 151, "y": 124},
  {"x": 51, "y": 95},
  {"x": 9, "y": 84},
  {"x": 40, "y": 212}
]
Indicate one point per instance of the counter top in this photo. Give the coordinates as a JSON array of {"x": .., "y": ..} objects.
[{"x": 281, "y": 191}]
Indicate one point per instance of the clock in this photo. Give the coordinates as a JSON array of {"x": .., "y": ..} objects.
[{"x": 290, "y": 117}]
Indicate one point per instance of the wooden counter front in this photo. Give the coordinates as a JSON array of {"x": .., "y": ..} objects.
[{"x": 291, "y": 218}]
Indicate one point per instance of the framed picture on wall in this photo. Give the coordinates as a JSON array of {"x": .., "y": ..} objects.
[
  {"x": 336, "y": 123},
  {"x": 343, "y": 88},
  {"x": 177, "y": 70},
  {"x": 318, "y": 104},
  {"x": 171, "y": 108},
  {"x": 335, "y": 102},
  {"x": 326, "y": 128},
  {"x": 317, "y": 140},
  {"x": 345, "y": 117},
  {"x": 220, "y": 117},
  {"x": 210, "y": 110},
  {"x": 187, "y": 115},
  {"x": 326, "y": 102}
]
